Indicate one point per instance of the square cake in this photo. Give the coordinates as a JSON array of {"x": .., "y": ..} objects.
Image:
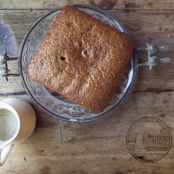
[{"x": 82, "y": 59}]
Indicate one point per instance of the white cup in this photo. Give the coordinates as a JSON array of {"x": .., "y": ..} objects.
[{"x": 17, "y": 122}]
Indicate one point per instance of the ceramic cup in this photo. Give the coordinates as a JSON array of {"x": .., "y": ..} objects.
[{"x": 17, "y": 122}]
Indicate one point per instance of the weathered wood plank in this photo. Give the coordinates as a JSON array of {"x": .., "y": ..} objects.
[
  {"x": 145, "y": 25},
  {"x": 105, "y": 4},
  {"x": 142, "y": 22},
  {"x": 98, "y": 147}
]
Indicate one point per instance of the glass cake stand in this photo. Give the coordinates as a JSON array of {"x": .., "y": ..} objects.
[{"x": 52, "y": 103}]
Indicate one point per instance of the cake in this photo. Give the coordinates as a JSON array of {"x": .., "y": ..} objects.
[{"x": 82, "y": 59}]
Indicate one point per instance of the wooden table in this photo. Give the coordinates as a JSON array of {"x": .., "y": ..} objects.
[{"x": 100, "y": 147}]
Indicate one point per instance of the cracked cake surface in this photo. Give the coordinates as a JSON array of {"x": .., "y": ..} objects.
[{"x": 82, "y": 59}]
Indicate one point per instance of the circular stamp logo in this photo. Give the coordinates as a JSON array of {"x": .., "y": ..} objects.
[{"x": 149, "y": 139}]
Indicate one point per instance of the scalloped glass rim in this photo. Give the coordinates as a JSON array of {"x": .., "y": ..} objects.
[{"x": 129, "y": 85}]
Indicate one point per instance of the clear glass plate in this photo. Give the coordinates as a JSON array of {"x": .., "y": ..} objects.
[{"x": 52, "y": 103}]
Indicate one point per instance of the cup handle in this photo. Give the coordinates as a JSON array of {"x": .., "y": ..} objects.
[{"x": 4, "y": 152}]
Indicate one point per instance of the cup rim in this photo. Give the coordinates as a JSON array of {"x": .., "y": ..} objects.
[{"x": 8, "y": 107}]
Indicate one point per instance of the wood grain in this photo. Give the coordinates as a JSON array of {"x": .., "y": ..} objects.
[
  {"x": 105, "y": 4},
  {"x": 99, "y": 147}
]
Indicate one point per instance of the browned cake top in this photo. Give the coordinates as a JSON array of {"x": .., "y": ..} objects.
[{"x": 82, "y": 59}]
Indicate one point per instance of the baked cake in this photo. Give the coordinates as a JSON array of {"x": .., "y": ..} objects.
[{"x": 82, "y": 59}]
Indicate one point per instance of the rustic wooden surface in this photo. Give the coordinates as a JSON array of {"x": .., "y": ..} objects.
[{"x": 99, "y": 147}]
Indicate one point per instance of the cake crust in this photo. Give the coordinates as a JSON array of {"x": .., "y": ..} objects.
[{"x": 82, "y": 59}]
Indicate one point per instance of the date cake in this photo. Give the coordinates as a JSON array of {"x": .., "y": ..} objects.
[{"x": 82, "y": 59}]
